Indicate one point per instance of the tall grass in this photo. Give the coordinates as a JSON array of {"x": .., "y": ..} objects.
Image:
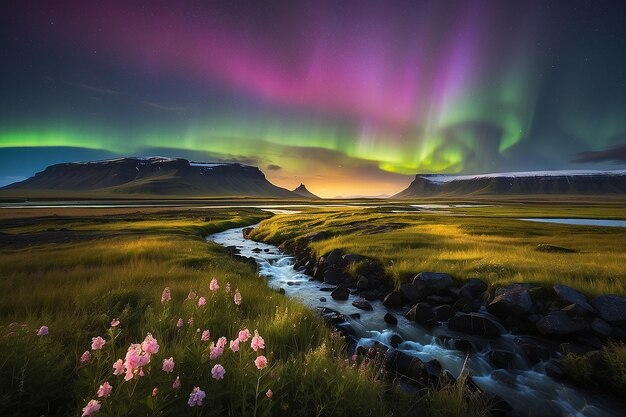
[{"x": 494, "y": 247}]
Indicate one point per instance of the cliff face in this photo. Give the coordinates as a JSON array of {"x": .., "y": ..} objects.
[
  {"x": 518, "y": 183},
  {"x": 159, "y": 176}
]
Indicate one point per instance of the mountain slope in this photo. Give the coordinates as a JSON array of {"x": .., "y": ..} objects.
[
  {"x": 156, "y": 175},
  {"x": 304, "y": 192},
  {"x": 518, "y": 183}
]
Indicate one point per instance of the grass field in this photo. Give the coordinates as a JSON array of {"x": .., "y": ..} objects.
[
  {"x": 115, "y": 266},
  {"x": 489, "y": 242}
]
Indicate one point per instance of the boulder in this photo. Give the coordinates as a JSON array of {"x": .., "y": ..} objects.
[
  {"x": 421, "y": 313},
  {"x": 323, "y": 299},
  {"x": 363, "y": 283},
  {"x": 439, "y": 299},
  {"x": 474, "y": 323},
  {"x": 395, "y": 340},
  {"x": 340, "y": 293},
  {"x": 333, "y": 257},
  {"x": 570, "y": 296},
  {"x": 390, "y": 319},
  {"x": 370, "y": 295},
  {"x": 409, "y": 293},
  {"x": 424, "y": 373},
  {"x": 502, "y": 359},
  {"x": 601, "y": 327},
  {"x": 363, "y": 304},
  {"x": 393, "y": 300},
  {"x": 511, "y": 299},
  {"x": 350, "y": 258},
  {"x": 246, "y": 231},
  {"x": 559, "y": 323},
  {"x": 443, "y": 313},
  {"x": 332, "y": 276},
  {"x": 472, "y": 289},
  {"x": 432, "y": 282},
  {"x": 612, "y": 308}
]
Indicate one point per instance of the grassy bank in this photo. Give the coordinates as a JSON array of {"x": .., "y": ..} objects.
[
  {"x": 489, "y": 243},
  {"x": 75, "y": 274}
]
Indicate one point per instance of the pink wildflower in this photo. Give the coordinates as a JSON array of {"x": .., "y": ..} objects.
[
  {"x": 84, "y": 358},
  {"x": 206, "y": 335},
  {"x": 118, "y": 367},
  {"x": 269, "y": 394},
  {"x": 115, "y": 323},
  {"x": 105, "y": 390},
  {"x": 221, "y": 342},
  {"x": 97, "y": 343},
  {"x": 218, "y": 372},
  {"x": 237, "y": 297},
  {"x": 216, "y": 352},
  {"x": 43, "y": 330},
  {"x": 196, "y": 397},
  {"x": 244, "y": 335},
  {"x": 150, "y": 345},
  {"x": 168, "y": 365},
  {"x": 155, "y": 392},
  {"x": 176, "y": 384},
  {"x": 257, "y": 342},
  {"x": 91, "y": 408},
  {"x": 136, "y": 359},
  {"x": 260, "y": 362},
  {"x": 214, "y": 286},
  {"x": 166, "y": 296},
  {"x": 201, "y": 301},
  {"x": 234, "y": 345},
  {"x": 180, "y": 323}
]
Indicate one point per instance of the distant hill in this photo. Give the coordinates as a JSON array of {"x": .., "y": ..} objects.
[
  {"x": 518, "y": 183},
  {"x": 155, "y": 176},
  {"x": 304, "y": 192}
]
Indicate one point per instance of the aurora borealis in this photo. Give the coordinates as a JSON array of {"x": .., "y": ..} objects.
[{"x": 348, "y": 97}]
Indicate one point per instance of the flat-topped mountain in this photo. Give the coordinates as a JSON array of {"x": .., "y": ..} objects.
[
  {"x": 518, "y": 183},
  {"x": 155, "y": 176},
  {"x": 304, "y": 192}
]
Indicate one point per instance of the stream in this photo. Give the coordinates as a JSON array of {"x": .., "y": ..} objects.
[{"x": 526, "y": 388}]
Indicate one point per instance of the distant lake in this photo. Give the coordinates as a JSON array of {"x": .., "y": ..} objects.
[{"x": 581, "y": 222}]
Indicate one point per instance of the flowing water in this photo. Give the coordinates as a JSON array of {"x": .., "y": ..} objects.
[{"x": 527, "y": 388}]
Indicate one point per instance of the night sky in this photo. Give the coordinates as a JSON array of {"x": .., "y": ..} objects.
[{"x": 351, "y": 98}]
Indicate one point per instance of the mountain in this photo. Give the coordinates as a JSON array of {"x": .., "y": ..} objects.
[
  {"x": 303, "y": 192},
  {"x": 518, "y": 183},
  {"x": 155, "y": 176}
]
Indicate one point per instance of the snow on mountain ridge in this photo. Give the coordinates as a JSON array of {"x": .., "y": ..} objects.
[{"x": 444, "y": 178}]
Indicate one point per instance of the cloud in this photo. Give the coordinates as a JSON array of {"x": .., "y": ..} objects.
[
  {"x": 616, "y": 155},
  {"x": 272, "y": 167},
  {"x": 164, "y": 107}
]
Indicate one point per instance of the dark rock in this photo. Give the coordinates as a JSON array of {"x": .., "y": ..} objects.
[
  {"x": 393, "y": 300},
  {"x": 439, "y": 299},
  {"x": 570, "y": 296},
  {"x": 472, "y": 306},
  {"x": 391, "y": 319},
  {"x": 443, "y": 313},
  {"x": 352, "y": 258},
  {"x": 409, "y": 293},
  {"x": 421, "y": 313},
  {"x": 558, "y": 323},
  {"x": 330, "y": 316},
  {"x": 501, "y": 358},
  {"x": 332, "y": 276},
  {"x": 256, "y": 250},
  {"x": 535, "y": 352},
  {"x": 370, "y": 295},
  {"x": 553, "y": 249},
  {"x": 363, "y": 283},
  {"x": 333, "y": 257},
  {"x": 266, "y": 250},
  {"x": 575, "y": 311},
  {"x": 422, "y": 373},
  {"x": 472, "y": 289},
  {"x": 554, "y": 371},
  {"x": 612, "y": 308},
  {"x": 340, "y": 293},
  {"x": 432, "y": 282},
  {"x": 601, "y": 327},
  {"x": 395, "y": 340},
  {"x": 327, "y": 289},
  {"x": 509, "y": 300},
  {"x": 246, "y": 231},
  {"x": 355, "y": 316},
  {"x": 505, "y": 378},
  {"x": 281, "y": 291},
  {"x": 323, "y": 299},
  {"x": 346, "y": 329},
  {"x": 363, "y": 304},
  {"x": 474, "y": 323}
]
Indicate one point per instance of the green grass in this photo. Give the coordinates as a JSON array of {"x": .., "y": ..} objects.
[
  {"x": 487, "y": 243},
  {"x": 76, "y": 288}
]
